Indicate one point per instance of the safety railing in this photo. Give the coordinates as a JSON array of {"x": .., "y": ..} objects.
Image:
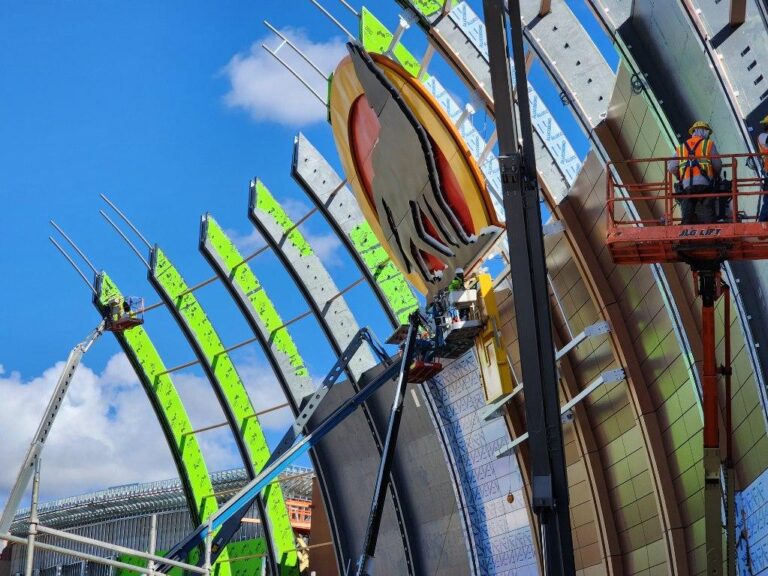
[{"x": 736, "y": 196}]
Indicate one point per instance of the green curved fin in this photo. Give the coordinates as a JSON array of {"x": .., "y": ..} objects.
[
  {"x": 220, "y": 368},
  {"x": 171, "y": 413}
]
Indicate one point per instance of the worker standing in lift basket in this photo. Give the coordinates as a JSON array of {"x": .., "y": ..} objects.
[
  {"x": 456, "y": 285},
  {"x": 762, "y": 146},
  {"x": 697, "y": 171}
]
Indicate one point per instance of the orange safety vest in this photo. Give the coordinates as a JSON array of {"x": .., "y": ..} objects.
[
  {"x": 694, "y": 159},
  {"x": 764, "y": 153}
]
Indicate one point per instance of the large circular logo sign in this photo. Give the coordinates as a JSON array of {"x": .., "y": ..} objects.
[{"x": 416, "y": 181}]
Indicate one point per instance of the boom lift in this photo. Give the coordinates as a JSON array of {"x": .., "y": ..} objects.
[
  {"x": 660, "y": 237},
  {"x": 54, "y": 405},
  {"x": 416, "y": 351}
]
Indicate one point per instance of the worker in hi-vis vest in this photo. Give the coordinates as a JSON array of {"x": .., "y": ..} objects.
[
  {"x": 762, "y": 147},
  {"x": 697, "y": 171}
]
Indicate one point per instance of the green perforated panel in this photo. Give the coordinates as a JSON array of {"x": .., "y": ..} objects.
[
  {"x": 267, "y": 203},
  {"x": 171, "y": 413},
  {"x": 232, "y": 392},
  {"x": 244, "y": 278},
  {"x": 390, "y": 280},
  {"x": 376, "y": 38},
  {"x": 251, "y": 552},
  {"x": 427, "y": 7}
]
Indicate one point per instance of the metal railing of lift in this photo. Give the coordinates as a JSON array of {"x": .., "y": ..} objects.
[{"x": 660, "y": 199}]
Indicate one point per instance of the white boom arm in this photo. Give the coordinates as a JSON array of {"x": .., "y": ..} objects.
[{"x": 28, "y": 467}]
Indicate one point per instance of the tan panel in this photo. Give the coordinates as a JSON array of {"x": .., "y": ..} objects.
[
  {"x": 584, "y": 481},
  {"x": 619, "y": 429}
]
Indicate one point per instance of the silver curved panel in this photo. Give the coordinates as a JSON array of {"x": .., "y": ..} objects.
[
  {"x": 687, "y": 80},
  {"x": 741, "y": 51},
  {"x": 661, "y": 39},
  {"x": 422, "y": 439},
  {"x": 356, "y": 444},
  {"x": 311, "y": 276},
  {"x": 559, "y": 38}
]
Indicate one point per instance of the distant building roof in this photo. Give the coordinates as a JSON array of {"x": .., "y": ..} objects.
[{"x": 151, "y": 498}]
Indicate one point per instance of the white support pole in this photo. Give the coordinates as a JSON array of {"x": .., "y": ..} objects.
[
  {"x": 208, "y": 541},
  {"x": 488, "y": 147},
  {"x": 116, "y": 548},
  {"x": 334, "y": 20},
  {"x": 425, "y": 60},
  {"x": 33, "y": 521},
  {"x": 88, "y": 557},
  {"x": 296, "y": 75},
  {"x": 402, "y": 26},
  {"x": 468, "y": 111},
  {"x": 594, "y": 330},
  {"x": 492, "y": 410},
  {"x": 286, "y": 40},
  {"x": 604, "y": 378},
  {"x": 152, "y": 541}
]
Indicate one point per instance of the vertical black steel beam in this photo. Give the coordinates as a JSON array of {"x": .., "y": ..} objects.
[
  {"x": 549, "y": 483},
  {"x": 388, "y": 456}
]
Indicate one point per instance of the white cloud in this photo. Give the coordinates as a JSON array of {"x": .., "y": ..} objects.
[
  {"x": 106, "y": 433},
  {"x": 262, "y": 86}
]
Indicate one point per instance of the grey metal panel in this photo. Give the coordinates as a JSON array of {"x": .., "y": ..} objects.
[
  {"x": 679, "y": 70},
  {"x": 613, "y": 13},
  {"x": 474, "y": 62},
  {"x": 743, "y": 52},
  {"x": 316, "y": 283},
  {"x": 570, "y": 51},
  {"x": 339, "y": 326},
  {"x": 355, "y": 456},
  {"x": 437, "y": 529}
]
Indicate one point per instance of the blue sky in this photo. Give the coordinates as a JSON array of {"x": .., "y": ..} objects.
[{"x": 159, "y": 105}]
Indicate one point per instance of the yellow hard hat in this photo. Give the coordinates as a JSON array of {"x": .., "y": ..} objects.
[
  {"x": 764, "y": 121},
  {"x": 699, "y": 124}
]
